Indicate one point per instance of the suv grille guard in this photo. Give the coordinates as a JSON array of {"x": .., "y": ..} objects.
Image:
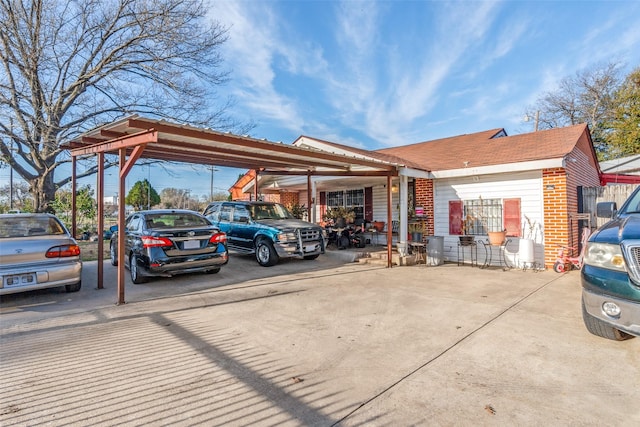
[{"x": 631, "y": 251}]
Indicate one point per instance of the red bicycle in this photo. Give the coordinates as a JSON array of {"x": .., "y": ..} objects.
[{"x": 564, "y": 262}]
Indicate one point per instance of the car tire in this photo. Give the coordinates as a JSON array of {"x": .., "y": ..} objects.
[
  {"x": 73, "y": 288},
  {"x": 559, "y": 267},
  {"x": 136, "y": 278},
  {"x": 312, "y": 256},
  {"x": 265, "y": 253},
  {"x": 213, "y": 271},
  {"x": 113, "y": 254},
  {"x": 602, "y": 329}
]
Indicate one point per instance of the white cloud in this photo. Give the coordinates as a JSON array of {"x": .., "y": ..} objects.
[{"x": 251, "y": 50}]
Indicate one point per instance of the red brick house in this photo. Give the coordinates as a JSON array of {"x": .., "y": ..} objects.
[{"x": 513, "y": 181}]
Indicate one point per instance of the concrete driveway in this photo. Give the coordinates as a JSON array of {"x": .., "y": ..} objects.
[{"x": 316, "y": 343}]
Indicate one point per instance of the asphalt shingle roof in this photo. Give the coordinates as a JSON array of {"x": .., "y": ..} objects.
[{"x": 483, "y": 149}]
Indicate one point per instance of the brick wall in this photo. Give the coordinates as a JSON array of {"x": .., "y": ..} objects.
[
  {"x": 561, "y": 201},
  {"x": 289, "y": 198},
  {"x": 424, "y": 198},
  {"x": 556, "y": 217}
]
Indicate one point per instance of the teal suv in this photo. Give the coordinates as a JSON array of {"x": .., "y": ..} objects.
[
  {"x": 267, "y": 230},
  {"x": 611, "y": 272}
]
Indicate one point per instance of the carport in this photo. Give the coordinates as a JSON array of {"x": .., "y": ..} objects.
[{"x": 136, "y": 137}]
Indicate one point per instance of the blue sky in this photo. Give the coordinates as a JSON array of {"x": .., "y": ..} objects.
[{"x": 378, "y": 74}]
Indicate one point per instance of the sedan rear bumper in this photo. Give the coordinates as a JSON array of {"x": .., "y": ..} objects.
[
  {"x": 179, "y": 265},
  {"x": 44, "y": 276}
]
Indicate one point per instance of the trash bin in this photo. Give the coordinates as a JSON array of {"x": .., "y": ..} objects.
[{"x": 435, "y": 250}]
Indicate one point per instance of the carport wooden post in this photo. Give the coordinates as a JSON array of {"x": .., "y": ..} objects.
[
  {"x": 74, "y": 225},
  {"x": 255, "y": 186},
  {"x": 137, "y": 143},
  {"x": 121, "y": 218},
  {"x": 125, "y": 168},
  {"x": 309, "y": 196},
  {"x": 100, "y": 185},
  {"x": 389, "y": 223}
]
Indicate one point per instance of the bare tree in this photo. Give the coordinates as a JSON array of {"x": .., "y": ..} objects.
[
  {"x": 70, "y": 65},
  {"x": 586, "y": 97}
]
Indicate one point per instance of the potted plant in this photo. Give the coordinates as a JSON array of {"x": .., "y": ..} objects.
[
  {"x": 525, "y": 246},
  {"x": 297, "y": 210},
  {"x": 467, "y": 226},
  {"x": 340, "y": 216},
  {"x": 416, "y": 231},
  {"x": 496, "y": 238}
]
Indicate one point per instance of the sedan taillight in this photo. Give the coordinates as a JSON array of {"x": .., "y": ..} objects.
[
  {"x": 63, "y": 251},
  {"x": 150, "y": 241},
  {"x": 218, "y": 238}
]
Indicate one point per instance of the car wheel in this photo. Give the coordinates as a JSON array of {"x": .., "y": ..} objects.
[
  {"x": 136, "y": 278},
  {"x": 73, "y": 288},
  {"x": 266, "y": 254},
  {"x": 213, "y": 271},
  {"x": 602, "y": 329},
  {"x": 312, "y": 256},
  {"x": 558, "y": 267},
  {"x": 113, "y": 254}
]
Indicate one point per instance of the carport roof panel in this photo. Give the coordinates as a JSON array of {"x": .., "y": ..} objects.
[{"x": 184, "y": 143}]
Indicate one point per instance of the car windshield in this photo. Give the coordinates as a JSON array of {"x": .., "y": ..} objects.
[
  {"x": 171, "y": 220},
  {"x": 25, "y": 226},
  {"x": 269, "y": 211},
  {"x": 633, "y": 205}
]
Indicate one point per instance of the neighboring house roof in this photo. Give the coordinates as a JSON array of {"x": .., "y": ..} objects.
[
  {"x": 624, "y": 165},
  {"x": 491, "y": 147}
]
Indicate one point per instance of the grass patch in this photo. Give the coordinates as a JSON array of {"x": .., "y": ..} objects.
[{"x": 89, "y": 250}]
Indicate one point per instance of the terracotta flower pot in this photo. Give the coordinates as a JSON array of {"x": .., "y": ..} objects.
[
  {"x": 496, "y": 238},
  {"x": 378, "y": 225}
]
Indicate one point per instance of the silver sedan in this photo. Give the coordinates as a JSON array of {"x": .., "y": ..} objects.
[{"x": 37, "y": 251}]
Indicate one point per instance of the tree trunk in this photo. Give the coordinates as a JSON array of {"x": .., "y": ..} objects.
[{"x": 44, "y": 192}]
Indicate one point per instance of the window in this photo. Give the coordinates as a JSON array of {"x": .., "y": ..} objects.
[
  {"x": 479, "y": 216},
  {"x": 335, "y": 199},
  {"x": 353, "y": 199},
  {"x": 225, "y": 213},
  {"x": 241, "y": 214}
]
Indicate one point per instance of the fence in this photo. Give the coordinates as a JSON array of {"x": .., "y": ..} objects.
[{"x": 611, "y": 193}]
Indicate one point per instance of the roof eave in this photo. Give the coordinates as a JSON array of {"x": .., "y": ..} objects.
[{"x": 501, "y": 168}]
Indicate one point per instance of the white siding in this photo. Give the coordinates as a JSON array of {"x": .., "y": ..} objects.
[
  {"x": 524, "y": 185},
  {"x": 380, "y": 204}
]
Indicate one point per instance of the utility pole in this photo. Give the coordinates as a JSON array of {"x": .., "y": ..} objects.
[
  {"x": 149, "y": 188},
  {"x": 212, "y": 169}
]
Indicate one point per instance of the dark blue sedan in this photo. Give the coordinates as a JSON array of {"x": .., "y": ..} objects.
[{"x": 169, "y": 242}]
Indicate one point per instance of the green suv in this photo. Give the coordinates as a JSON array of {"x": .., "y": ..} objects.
[
  {"x": 267, "y": 230},
  {"x": 611, "y": 272}
]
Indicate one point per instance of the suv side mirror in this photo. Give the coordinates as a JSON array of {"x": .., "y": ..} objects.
[
  {"x": 606, "y": 209},
  {"x": 113, "y": 228},
  {"x": 244, "y": 219}
]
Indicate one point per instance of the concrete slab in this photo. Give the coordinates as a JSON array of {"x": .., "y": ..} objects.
[{"x": 316, "y": 343}]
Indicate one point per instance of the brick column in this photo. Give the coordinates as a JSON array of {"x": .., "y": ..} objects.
[
  {"x": 556, "y": 213},
  {"x": 424, "y": 198}
]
